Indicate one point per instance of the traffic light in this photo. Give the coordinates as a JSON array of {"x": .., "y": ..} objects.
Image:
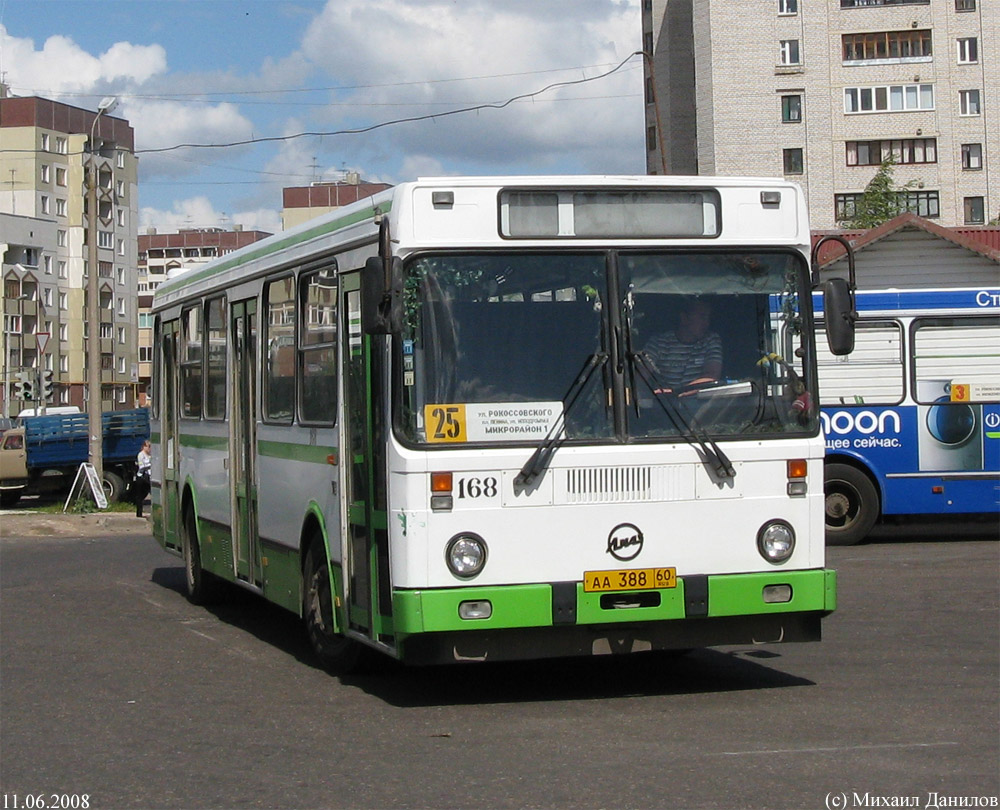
[
  {"x": 45, "y": 395},
  {"x": 24, "y": 388}
]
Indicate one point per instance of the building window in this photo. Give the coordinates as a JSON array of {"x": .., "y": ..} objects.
[
  {"x": 975, "y": 211},
  {"x": 792, "y": 160},
  {"x": 61, "y": 239},
  {"x": 788, "y": 6},
  {"x": 866, "y": 3},
  {"x": 63, "y": 301},
  {"x": 45, "y": 142},
  {"x": 968, "y": 102},
  {"x": 61, "y": 208},
  {"x": 63, "y": 270},
  {"x": 965, "y": 5},
  {"x": 121, "y": 335},
  {"x": 120, "y": 159},
  {"x": 45, "y": 173},
  {"x": 968, "y": 51},
  {"x": 63, "y": 332},
  {"x": 120, "y": 188},
  {"x": 61, "y": 146},
  {"x": 921, "y": 203},
  {"x": 845, "y": 206},
  {"x": 44, "y": 204},
  {"x": 788, "y": 53},
  {"x": 64, "y": 363},
  {"x": 60, "y": 176},
  {"x": 907, "y": 150},
  {"x": 651, "y": 139},
  {"x": 47, "y": 296},
  {"x": 972, "y": 156},
  {"x": 791, "y": 109},
  {"x": 886, "y": 45},
  {"x": 889, "y": 98},
  {"x": 105, "y": 239},
  {"x": 47, "y": 264},
  {"x": 120, "y": 215}
]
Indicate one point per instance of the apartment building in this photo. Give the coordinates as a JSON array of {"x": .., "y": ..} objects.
[
  {"x": 822, "y": 91},
  {"x": 161, "y": 254},
  {"x": 302, "y": 203},
  {"x": 45, "y": 155}
]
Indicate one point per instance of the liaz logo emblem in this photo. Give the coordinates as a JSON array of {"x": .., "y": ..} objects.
[{"x": 625, "y": 542}]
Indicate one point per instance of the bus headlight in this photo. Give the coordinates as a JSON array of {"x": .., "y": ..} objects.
[
  {"x": 466, "y": 555},
  {"x": 776, "y": 541}
]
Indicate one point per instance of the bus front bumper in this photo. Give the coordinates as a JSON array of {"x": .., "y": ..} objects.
[{"x": 561, "y": 619}]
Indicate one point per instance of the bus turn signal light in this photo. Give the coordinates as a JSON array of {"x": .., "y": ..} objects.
[
  {"x": 441, "y": 482},
  {"x": 797, "y": 469}
]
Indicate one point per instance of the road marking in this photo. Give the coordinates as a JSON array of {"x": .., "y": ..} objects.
[{"x": 832, "y": 749}]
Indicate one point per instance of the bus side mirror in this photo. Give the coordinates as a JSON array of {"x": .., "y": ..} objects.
[
  {"x": 381, "y": 297},
  {"x": 839, "y": 316}
]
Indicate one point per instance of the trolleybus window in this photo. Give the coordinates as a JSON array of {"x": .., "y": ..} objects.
[{"x": 870, "y": 375}]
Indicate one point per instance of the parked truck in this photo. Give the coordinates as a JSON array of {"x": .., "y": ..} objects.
[{"x": 44, "y": 453}]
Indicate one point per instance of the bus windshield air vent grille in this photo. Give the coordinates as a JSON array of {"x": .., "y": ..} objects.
[{"x": 627, "y": 484}]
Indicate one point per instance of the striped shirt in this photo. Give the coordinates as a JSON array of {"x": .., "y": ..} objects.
[{"x": 678, "y": 363}]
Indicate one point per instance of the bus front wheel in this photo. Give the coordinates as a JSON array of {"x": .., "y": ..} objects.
[
  {"x": 851, "y": 504},
  {"x": 337, "y": 654}
]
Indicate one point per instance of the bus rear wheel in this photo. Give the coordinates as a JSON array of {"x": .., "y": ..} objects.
[
  {"x": 202, "y": 587},
  {"x": 852, "y": 505},
  {"x": 337, "y": 654}
]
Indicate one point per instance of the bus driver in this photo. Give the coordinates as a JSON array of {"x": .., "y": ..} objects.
[{"x": 691, "y": 354}]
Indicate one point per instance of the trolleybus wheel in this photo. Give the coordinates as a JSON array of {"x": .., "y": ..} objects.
[
  {"x": 851, "y": 504},
  {"x": 337, "y": 654}
]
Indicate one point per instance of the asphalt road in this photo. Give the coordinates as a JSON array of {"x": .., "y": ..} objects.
[{"x": 114, "y": 688}]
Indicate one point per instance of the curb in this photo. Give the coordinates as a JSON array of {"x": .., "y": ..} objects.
[{"x": 39, "y": 524}]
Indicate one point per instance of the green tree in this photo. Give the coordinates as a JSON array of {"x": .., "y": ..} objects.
[{"x": 881, "y": 200}]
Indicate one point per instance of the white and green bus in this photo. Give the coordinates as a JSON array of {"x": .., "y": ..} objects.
[{"x": 429, "y": 422}]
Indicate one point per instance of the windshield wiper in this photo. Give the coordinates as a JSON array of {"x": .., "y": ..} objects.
[
  {"x": 539, "y": 460},
  {"x": 672, "y": 405}
]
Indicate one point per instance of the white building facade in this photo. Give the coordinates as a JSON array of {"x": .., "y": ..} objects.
[{"x": 822, "y": 91}]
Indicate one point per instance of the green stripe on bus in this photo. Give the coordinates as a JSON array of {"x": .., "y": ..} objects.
[
  {"x": 309, "y": 453},
  {"x": 204, "y": 442},
  {"x": 287, "y": 242}
]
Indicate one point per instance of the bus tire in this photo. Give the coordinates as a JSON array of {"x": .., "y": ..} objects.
[
  {"x": 9, "y": 497},
  {"x": 852, "y": 504},
  {"x": 114, "y": 486},
  {"x": 337, "y": 655},
  {"x": 202, "y": 588}
]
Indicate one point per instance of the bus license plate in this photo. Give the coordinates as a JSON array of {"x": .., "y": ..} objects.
[{"x": 635, "y": 579}]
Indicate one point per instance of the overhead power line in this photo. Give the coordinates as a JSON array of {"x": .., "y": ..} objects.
[{"x": 395, "y": 122}]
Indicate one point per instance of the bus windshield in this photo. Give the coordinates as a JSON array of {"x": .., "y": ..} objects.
[{"x": 604, "y": 346}]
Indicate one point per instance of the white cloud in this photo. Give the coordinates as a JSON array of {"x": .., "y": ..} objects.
[
  {"x": 199, "y": 212},
  {"x": 514, "y": 47},
  {"x": 62, "y": 66}
]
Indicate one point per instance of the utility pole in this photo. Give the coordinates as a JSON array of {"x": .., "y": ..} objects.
[{"x": 94, "y": 405}]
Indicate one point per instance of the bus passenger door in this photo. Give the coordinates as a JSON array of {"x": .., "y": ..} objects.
[
  {"x": 170, "y": 504},
  {"x": 366, "y": 557},
  {"x": 243, "y": 441}
]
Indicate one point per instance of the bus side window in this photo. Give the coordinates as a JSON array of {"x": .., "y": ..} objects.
[
  {"x": 279, "y": 352},
  {"x": 318, "y": 347}
]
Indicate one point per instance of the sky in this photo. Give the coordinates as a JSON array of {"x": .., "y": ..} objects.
[{"x": 297, "y": 72}]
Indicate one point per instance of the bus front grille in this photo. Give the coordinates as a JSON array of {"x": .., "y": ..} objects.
[{"x": 627, "y": 484}]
